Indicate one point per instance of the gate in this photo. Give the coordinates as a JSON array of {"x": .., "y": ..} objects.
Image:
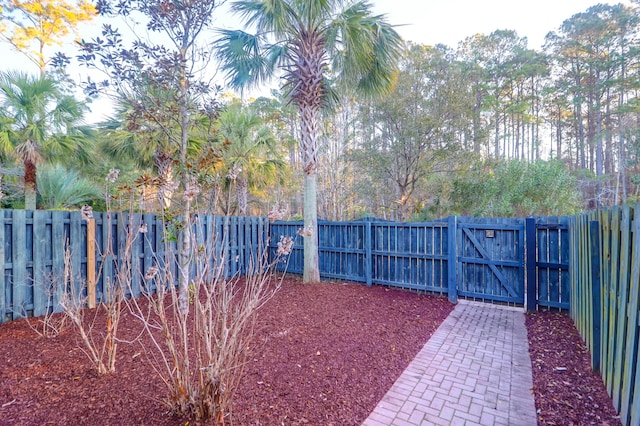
[{"x": 491, "y": 259}]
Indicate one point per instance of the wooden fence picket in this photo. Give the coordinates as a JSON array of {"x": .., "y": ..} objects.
[
  {"x": 629, "y": 372},
  {"x": 619, "y": 361},
  {"x": 41, "y": 281},
  {"x": 612, "y": 291}
]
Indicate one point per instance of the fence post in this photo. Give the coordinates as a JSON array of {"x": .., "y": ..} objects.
[
  {"x": 368, "y": 261},
  {"x": 19, "y": 263},
  {"x": 91, "y": 263},
  {"x": 530, "y": 264},
  {"x": 452, "y": 259},
  {"x": 596, "y": 291}
]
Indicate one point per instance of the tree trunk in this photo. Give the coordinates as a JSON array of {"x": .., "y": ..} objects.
[
  {"x": 30, "y": 188},
  {"x": 241, "y": 192},
  {"x": 311, "y": 263},
  {"x": 309, "y": 118},
  {"x": 185, "y": 247},
  {"x": 164, "y": 164}
]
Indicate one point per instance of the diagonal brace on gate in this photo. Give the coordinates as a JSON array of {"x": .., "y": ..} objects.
[{"x": 498, "y": 274}]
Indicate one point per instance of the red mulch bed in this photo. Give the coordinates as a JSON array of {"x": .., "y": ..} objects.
[
  {"x": 566, "y": 390},
  {"x": 327, "y": 353}
]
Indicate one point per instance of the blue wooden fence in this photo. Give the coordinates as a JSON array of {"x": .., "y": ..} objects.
[
  {"x": 476, "y": 258},
  {"x": 33, "y": 248},
  {"x": 491, "y": 262},
  {"x": 548, "y": 244},
  {"x": 407, "y": 255},
  {"x": 466, "y": 257}
]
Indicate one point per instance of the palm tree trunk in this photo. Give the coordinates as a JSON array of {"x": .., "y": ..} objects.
[
  {"x": 311, "y": 263},
  {"x": 241, "y": 192},
  {"x": 30, "y": 190},
  {"x": 164, "y": 164},
  {"x": 309, "y": 133}
]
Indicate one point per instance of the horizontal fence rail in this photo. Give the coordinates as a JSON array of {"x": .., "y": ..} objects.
[{"x": 32, "y": 253}]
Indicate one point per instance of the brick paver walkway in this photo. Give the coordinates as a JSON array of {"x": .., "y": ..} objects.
[{"x": 474, "y": 370}]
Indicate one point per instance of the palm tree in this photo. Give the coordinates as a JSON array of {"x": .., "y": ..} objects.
[
  {"x": 311, "y": 41},
  {"x": 126, "y": 136},
  {"x": 250, "y": 151},
  {"x": 145, "y": 139},
  {"x": 40, "y": 123}
]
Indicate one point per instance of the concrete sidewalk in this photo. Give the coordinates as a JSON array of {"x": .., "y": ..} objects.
[{"x": 474, "y": 370}]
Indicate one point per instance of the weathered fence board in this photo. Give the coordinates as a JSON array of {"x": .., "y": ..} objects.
[
  {"x": 605, "y": 288},
  {"x": 611, "y": 288}
]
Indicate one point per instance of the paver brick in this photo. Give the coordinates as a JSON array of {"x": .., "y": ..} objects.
[
  {"x": 447, "y": 413},
  {"x": 457, "y": 421},
  {"x": 402, "y": 417},
  {"x": 408, "y": 407},
  {"x": 475, "y": 370},
  {"x": 437, "y": 403},
  {"x": 487, "y": 419},
  {"x": 416, "y": 417}
]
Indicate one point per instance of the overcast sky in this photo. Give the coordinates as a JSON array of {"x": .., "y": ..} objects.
[{"x": 451, "y": 21}]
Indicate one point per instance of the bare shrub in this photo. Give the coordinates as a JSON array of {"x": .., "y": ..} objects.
[
  {"x": 200, "y": 352},
  {"x": 52, "y": 323},
  {"x": 100, "y": 345},
  {"x": 48, "y": 325}
]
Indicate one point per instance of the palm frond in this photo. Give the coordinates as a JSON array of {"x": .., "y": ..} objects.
[
  {"x": 62, "y": 188},
  {"x": 364, "y": 49},
  {"x": 272, "y": 16},
  {"x": 242, "y": 59}
]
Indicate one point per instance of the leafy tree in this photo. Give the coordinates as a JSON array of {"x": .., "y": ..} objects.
[
  {"x": 131, "y": 135},
  {"x": 281, "y": 117},
  {"x": 412, "y": 136},
  {"x": 40, "y": 123},
  {"x": 31, "y": 26},
  {"x": 311, "y": 42}
]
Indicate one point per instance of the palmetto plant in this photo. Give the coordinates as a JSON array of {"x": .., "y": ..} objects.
[
  {"x": 61, "y": 188},
  {"x": 250, "y": 151},
  {"x": 313, "y": 42},
  {"x": 39, "y": 122}
]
